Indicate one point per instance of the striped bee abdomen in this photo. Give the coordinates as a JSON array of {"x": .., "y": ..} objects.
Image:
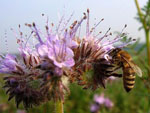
[{"x": 128, "y": 78}]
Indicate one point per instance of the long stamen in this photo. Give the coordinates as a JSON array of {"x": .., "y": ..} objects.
[
  {"x": 105, "y": 35},
  {"x": 73, "y": 32},
  {"x": 65, "y": 25},
  {"x": 28, "y": 38},
  {"x": 54, "y": 50},
  {"x": 37, "y": 34},
  {"x": 98, "y": 34},
  {"x": 126, "y": 44},
  {"x": 79, "y": 31},
  {"x": 96, "y": 26},
  {"x": 62, "y": 54},
  {"x": 60, "y": 22},
  {"x": 87, "y": 25}
]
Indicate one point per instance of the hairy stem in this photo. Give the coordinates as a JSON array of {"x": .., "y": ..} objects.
[
  {"x": 147, "y": 32},
  {"x": 59, "y": 106},
  {"x": 148, "y": 47},
  {"x": 140, "y": 15}
]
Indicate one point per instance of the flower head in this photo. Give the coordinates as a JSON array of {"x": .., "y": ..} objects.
[
  {"x": 36, "y": 76},
  {"x": 99, "y": 102},
  {"x": 99, "y": 99},
  {"x": 94, "y": 108},
  {"x": 108, "y": 103},
  {"x": 92, "y": 60}
]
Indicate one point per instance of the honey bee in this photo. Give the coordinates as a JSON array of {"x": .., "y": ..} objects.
[{"x": 123, "y": 60}]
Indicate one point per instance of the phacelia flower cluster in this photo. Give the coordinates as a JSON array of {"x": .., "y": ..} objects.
[{"x": 36, "y": 76}]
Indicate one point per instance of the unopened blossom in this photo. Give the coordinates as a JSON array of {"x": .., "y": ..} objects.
[{"x": 18, "y": 82}]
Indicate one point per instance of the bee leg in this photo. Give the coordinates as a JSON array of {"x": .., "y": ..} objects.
[
  {"x": 113, "y": 69},
  {"x": 116, "y": 75}
]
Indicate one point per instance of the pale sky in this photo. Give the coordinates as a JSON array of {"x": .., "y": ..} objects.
[{"x": 116, "y": 13}]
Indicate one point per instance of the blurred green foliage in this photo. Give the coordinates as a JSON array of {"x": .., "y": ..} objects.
[{"x": 145, "y": 15}]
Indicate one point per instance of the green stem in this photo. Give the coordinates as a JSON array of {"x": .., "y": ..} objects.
[
  {"x": 147, "y": 35},
  {"x": 140, "y": 15},
  {"x": 148, "y": 47},
  {"x": 59, "y": 106},
  {"x": 147, "y": 32}
]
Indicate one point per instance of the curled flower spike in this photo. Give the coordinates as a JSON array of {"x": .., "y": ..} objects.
[
  {"x": 18, "y": 84},
  {"x": 18, "y": 88}
]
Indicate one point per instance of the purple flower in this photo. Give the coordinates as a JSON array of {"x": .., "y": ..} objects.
[
  {"x": 108, "y": 103},
  {"x": 8, "y": 64},
  {"x": 58, "y": 52},
  {"x": 99, "y": 99},
  {"x": 42, "y": 50},
  {"x": 94, "y": 108},
  {"x": 58, "y": 71},
  {"x": 70, "y": 42},
  {"x": 61, "y": 55},
  {"x": 21, "y": 111}
]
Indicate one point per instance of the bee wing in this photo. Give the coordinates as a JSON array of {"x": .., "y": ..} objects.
[{"x": 137, "y": 70}]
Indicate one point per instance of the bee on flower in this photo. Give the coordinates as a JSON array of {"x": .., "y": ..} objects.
[{"x": 93, "y": 62}]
